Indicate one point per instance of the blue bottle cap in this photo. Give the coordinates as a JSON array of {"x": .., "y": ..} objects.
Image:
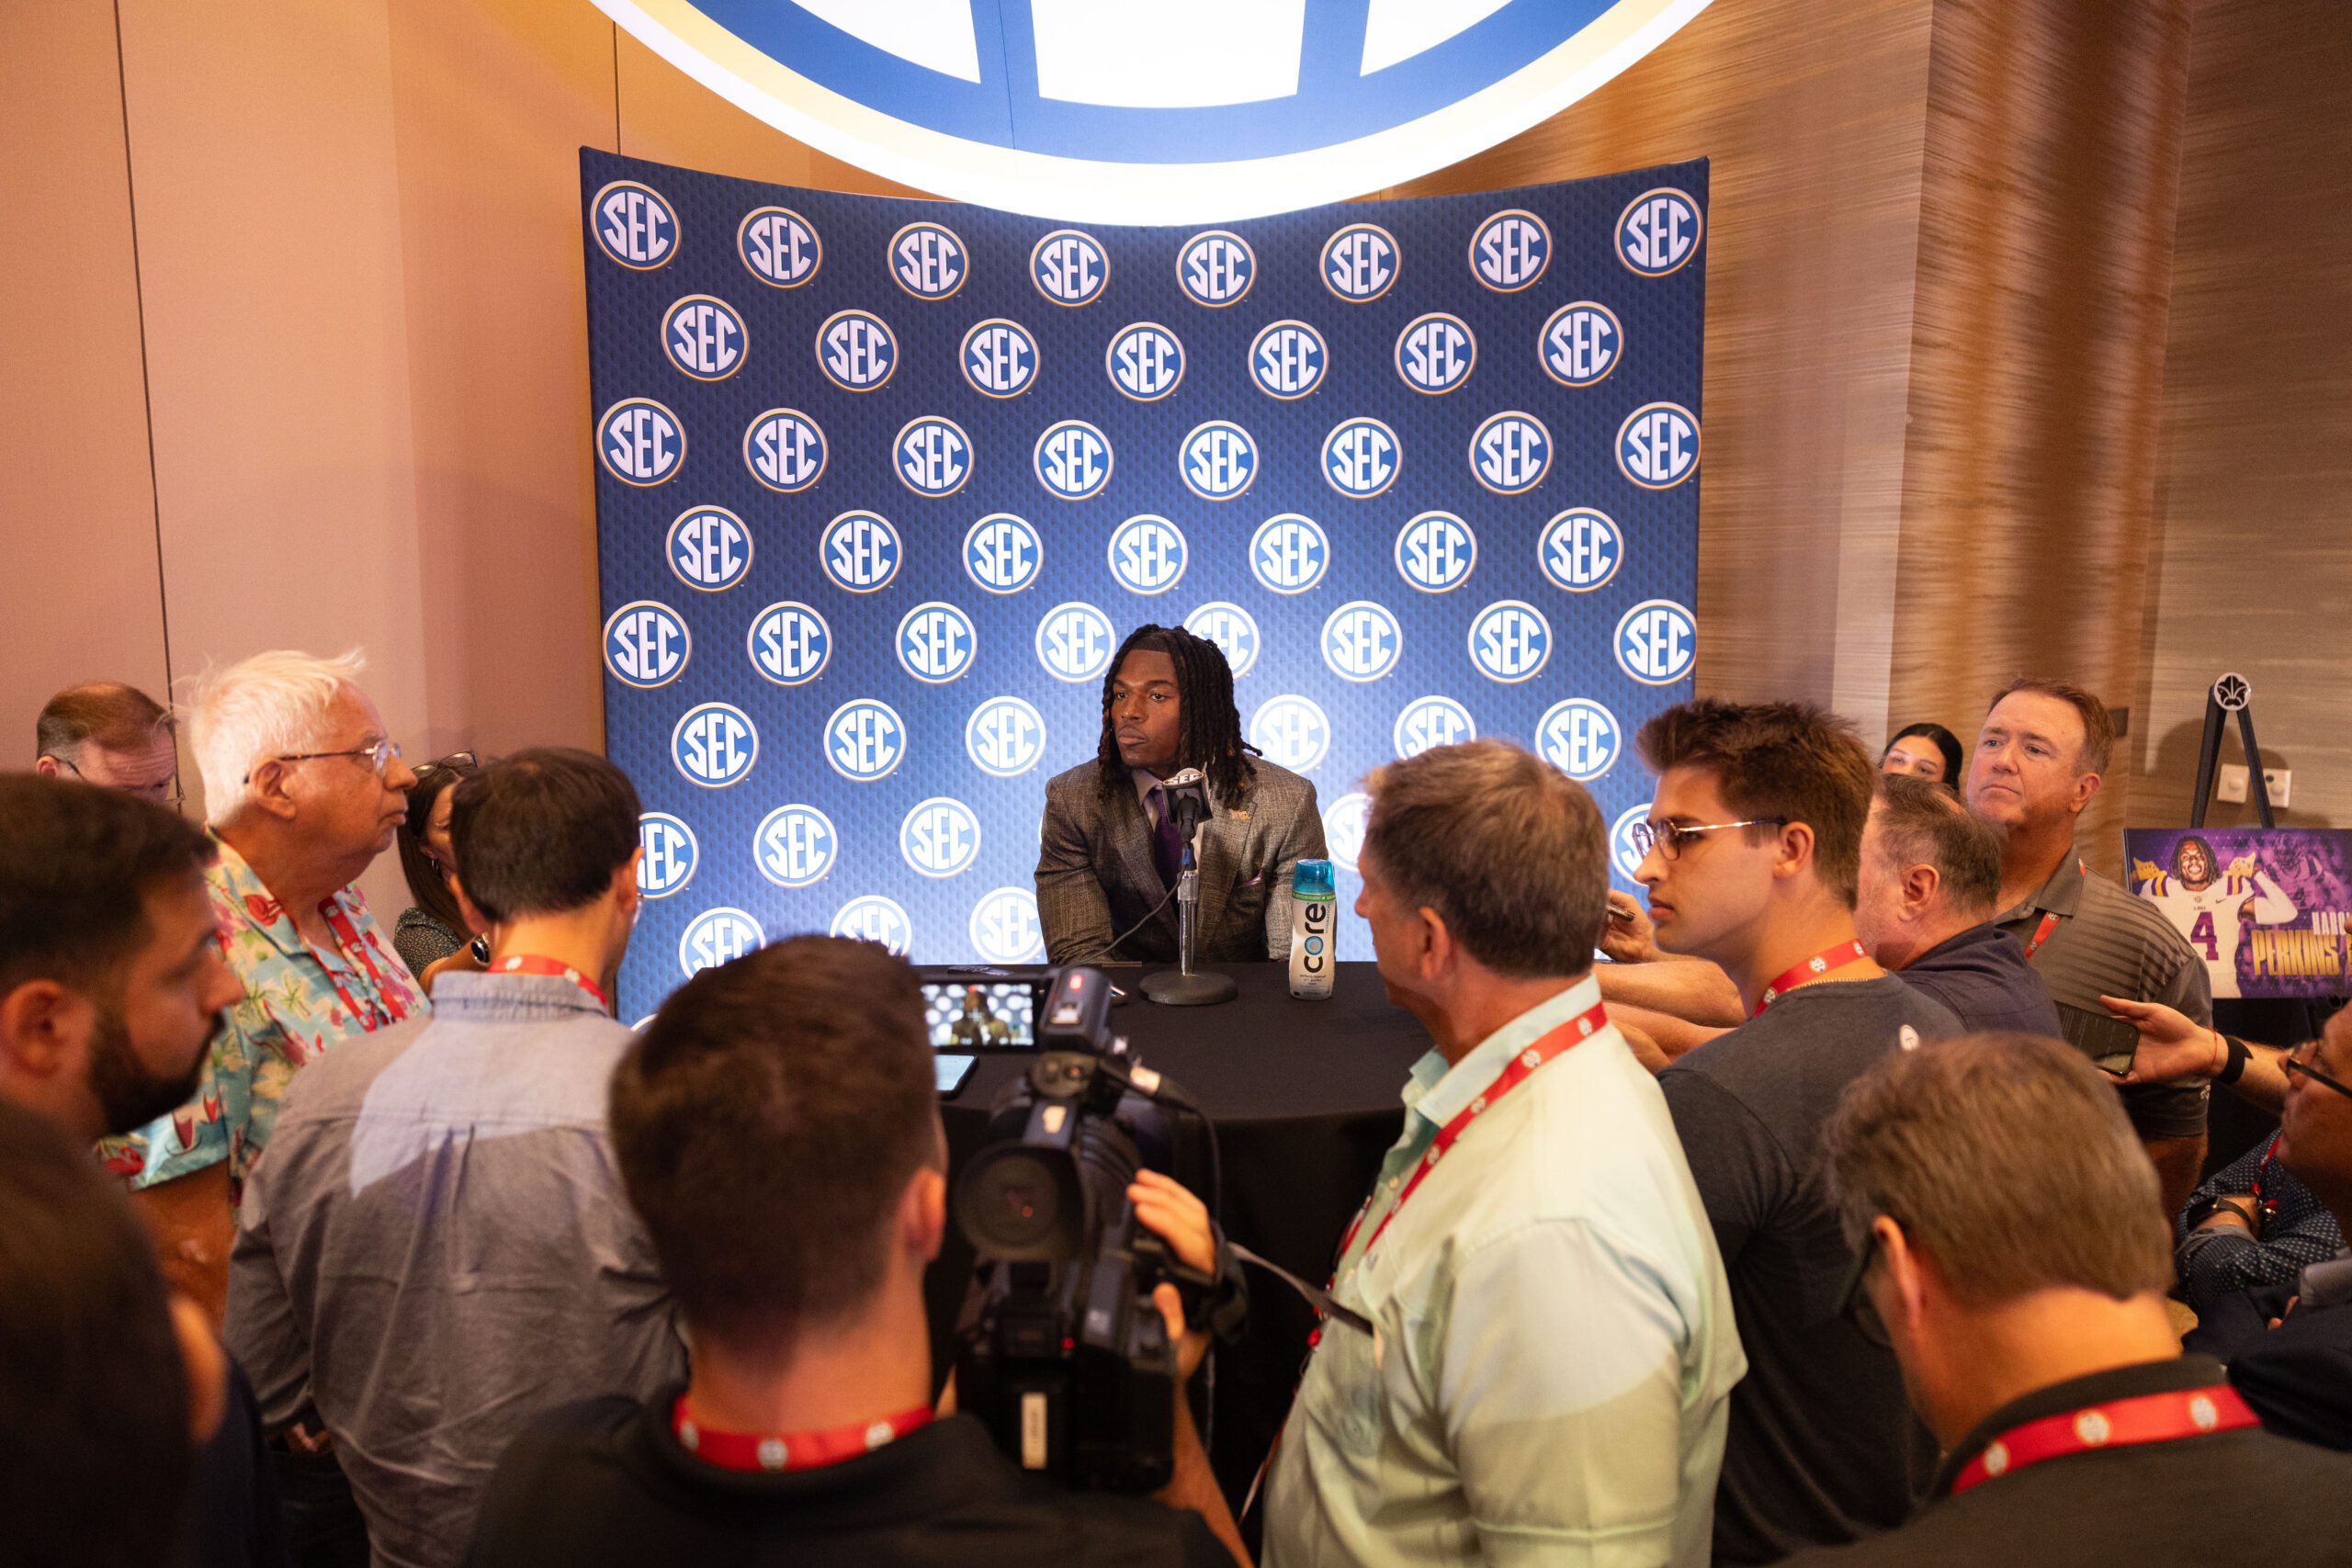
[{"x": 1312, "y": 879}]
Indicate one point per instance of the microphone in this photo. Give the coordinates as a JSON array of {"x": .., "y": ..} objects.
[
  {"x": 1187, "y": 797},
  {"x": 1186, "y": 793}
]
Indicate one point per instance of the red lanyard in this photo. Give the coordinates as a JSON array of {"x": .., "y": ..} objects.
[
  {"x": 2267, "y": 1204},
  {"x": 2149, "y": 1418},
  {"x": 1515, "y": 1072},
  {"x": 1850, "y": 951},
  {"x": 2050, "y": 919},
  {"x": 532, "y": 963},
  {"x": 385, "y": 1007},
  {"x": 773, "y": 1451}
]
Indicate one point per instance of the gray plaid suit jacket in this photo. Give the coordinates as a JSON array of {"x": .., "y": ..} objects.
[{"x": 1095, "y": 875}]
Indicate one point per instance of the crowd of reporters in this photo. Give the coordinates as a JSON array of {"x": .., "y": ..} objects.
[{"x": 1805, "y": 1228}]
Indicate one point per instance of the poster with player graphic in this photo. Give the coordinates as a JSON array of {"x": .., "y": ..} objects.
[
  {"x": 881, "y": 484},
  {"x": 2264, "y": 907}
]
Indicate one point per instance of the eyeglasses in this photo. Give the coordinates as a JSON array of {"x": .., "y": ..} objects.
[
  {"x": 1854, "y": 1303},
  {"x": 163, "y": 791},
  {"x": 2299, "y": 1061},
  {"x": 456, "y": 761},
  {"x": 1668, "y": 837},
  {"x": 380, "y": 757}
]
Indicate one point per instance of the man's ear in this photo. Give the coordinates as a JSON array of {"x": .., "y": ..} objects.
[
  {"x": 476, "y": 922},
  {"x": 1439, "y": 950},
  {"x": 625, "y": 883},
  {"x": 922, "y": 1213},
  {"x": 1795, "y": 849},
  {"x": 1906, "y": 1270},
  {"x": 43, "y": 1026},
  {"x": 269, "y": 789},
  {"x": 2085, "y": 786},
  {"x": 1920, "y": 884}
]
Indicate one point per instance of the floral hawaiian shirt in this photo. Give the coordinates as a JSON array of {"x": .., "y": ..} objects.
[{"x": 299, "y": 1001}]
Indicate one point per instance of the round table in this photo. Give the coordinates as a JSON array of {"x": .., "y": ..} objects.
[{"x": 1303, "y": 1097}]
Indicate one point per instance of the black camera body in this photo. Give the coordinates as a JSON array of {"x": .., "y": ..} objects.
[{"x": 1061, "y": 1350}]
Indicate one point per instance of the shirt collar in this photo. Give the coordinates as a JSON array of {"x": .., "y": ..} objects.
[
  {"x": 1146, "y": 780},
  {"x": 1444, "y": 1092},
  {"x": 461, "y": 991},
  {"x": 2179, "y": 1373},
  {"x": 2061, "y": 895},
  {"x": 236, "y": 887}
]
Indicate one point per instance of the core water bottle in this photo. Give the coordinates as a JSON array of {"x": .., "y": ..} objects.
[{"x": 1314, "y": 914}]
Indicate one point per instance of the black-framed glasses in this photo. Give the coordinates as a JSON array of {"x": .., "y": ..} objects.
[
  {"x": 163, "y": 791},
  {"x": 380, "y": 757},
  {"x": 2299, "y": 1061},
  {"x": 1668, "y": 837},
  {"x": 456, "y": 761},
  {"x": 1854, "y": 1303}
]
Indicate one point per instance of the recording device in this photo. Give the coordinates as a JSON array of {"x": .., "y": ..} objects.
[
  {"x": 1061, "y": 1351},
  {"x": 2110, "y": 1042},
  {"x": 983, "y": 1008},
  {"x": 1187, "y": 796}
]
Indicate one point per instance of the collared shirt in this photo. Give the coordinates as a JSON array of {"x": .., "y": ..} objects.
[
  {"x": 299, "y": 1002},
  {"x": 1980, "y": 973},
  {"x": 1147, "y": 780},
  {"x": 438, "y": 1250},
  {"x": 1555, "y": 1351},
  {"x": 2106, "y": 943}
]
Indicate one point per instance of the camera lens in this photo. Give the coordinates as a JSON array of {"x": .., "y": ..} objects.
[{"x": 1021, "y": 1204}]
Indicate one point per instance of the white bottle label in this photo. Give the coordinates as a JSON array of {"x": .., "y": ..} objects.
[{"x": 1311, "y": 955}]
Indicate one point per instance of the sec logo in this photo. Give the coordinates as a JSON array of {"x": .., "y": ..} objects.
[
  {"x": 1656, "y": 642},
  {"x": 1436, "y": 551},
  {"x": 790, "y": 643},
  {"x": 1144, "y": 361},
  {"x": 936, "y": 643},
  {"x": 1658, "y": 231},
  {"x": 933, "y": 456},
  {"x": 1217, "y": 460},
  {"x": 940, "y": 837},
  {"x": 635, "y": 225},
  {"x": 1580, "y": 738},
  {"x": 1343, "y": 825},
  {"x": 1073, "y": 459},
  {"x": 641, "y": 442},
  {"x": 1510, "y": 641},
  {"x": 1288, "y": 553},
  {"x": 1216, "y": 268},
  {"x": 778, "y": 246},
  {"x": 865, "y": 739},
  {"x": 928, "y": 260},
  {"x": 1511, "y": 452},
  {"x": 1361, "y": 457},
  {"x": 1580, "y": 549},
  {"x": 1232, "y": 628},
  {"x": 1580, "y": 344},
  {"x": 1291, "y": 731},
  {"x": 718, "y": 936},
  {"x": 1070, "y": 268},
  {"x": 1075, "y": 641},
  {"x": 1360, "y": 262},
  {"x": 1510, "y": 250},
  {"x": 1004, "y": 927},
  {"x": 855, "y": 350},
  {"x": 1624, "y": 853},
  {"x": 794, "y": 846},
  {"x": 1436, "y": 353},
  {"x": 704, "y": 337},
  {"x": 1431, "y": 721},
  {"x": 667, "y": 855},
  {"x": 1657, "y": 447},
  {"x": 1002, "y": 553},
  {"x": 1287, "y": 359},
  {"x": 784, "y": 450},
  {"x": 1148, "y": 554},
  {"x": 860, "y": 551},
  {"x": 1362, "y": 640},
  {"x": 876, "y": 919},
  {"x": 999, "y": 358},
  {"x": 1005, "y": 737},
  {"x": 714, "y": 745},
  {"x": 709, "y": 549},
  {"x": 646, "y": 645}
]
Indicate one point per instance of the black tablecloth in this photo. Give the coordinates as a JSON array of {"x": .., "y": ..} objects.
[{"x": 1303, "y": 1097}]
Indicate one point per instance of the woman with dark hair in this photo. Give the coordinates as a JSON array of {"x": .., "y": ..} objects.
[
  {"x": 1925, "y": 750},
  {"x": 433, "y": 927}
]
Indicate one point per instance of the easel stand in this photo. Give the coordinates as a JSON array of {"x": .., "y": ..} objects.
[{"x": 2229, "y": 693}]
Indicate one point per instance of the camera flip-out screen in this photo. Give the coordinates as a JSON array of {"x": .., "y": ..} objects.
[{"x": 983, "y": 1009}]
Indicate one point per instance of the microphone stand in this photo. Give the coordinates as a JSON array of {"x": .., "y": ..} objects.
[{"x": 1182, "y": 986}]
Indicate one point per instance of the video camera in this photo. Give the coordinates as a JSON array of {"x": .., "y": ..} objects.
[{"x": 1061, "y": 1350}]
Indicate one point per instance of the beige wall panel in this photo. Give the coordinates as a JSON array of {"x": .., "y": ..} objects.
[
  {"x": 79, "y": 589},
  {"x": 2255, "y": 569},
  {"x": 268, "y": 205},
  {"x": 1814, "y": 113},
  {"x": 492, "y": 101}
]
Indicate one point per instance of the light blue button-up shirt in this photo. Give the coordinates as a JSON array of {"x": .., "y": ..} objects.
[{"x": 1554, "y": 1355}]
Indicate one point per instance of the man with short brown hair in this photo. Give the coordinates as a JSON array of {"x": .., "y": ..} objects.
[
  {"x": 112, "y": 735},
  {"x": 1751, "y": 855}
]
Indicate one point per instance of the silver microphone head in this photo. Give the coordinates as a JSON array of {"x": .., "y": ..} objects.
[{"x": 1188, "y": 776}]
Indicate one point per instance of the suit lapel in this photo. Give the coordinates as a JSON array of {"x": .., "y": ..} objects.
[
  {"x": 1220, "y": 857},
  {"x": 1131, "y": 832}
]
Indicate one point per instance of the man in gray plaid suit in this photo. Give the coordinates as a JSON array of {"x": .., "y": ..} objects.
[{"x": 1110, "y": 851}]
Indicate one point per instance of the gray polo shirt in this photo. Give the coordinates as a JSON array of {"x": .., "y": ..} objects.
[{"x": 2103, "y": 942}]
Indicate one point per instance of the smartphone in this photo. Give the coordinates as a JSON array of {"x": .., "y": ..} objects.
[
  {"x": 953, "y": 1072},
  {"x": 2110, "y": 1042}
]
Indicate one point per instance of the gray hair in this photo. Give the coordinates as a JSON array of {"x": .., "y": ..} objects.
[
  {"x": 272, "y": 705},
  {"x": 1920, "y": 823}
]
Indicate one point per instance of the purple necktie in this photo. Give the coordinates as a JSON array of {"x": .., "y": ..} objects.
[{"x": 1167, "y": 846}]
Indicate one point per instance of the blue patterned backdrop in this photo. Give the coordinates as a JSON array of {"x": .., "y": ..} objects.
[{"x": 881, "y": 483}]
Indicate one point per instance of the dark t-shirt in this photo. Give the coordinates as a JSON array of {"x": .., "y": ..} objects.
[
  {"x": 1981, "y": 976},
  {"x": 2297, "y": 1376},
  {"x": 1823, "y": 1448},
  {"x": 606, "y": 1482}
]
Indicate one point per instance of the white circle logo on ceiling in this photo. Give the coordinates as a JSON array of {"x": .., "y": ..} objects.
[{"x": 1144, "y": 114}]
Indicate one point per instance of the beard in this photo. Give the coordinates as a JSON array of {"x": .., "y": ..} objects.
[{"x": 127, "y": 1093}]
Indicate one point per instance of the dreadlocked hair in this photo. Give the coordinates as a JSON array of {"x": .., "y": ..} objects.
[{"x": 1210, "y": 735}]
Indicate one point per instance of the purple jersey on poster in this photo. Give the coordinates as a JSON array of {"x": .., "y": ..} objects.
[{"x": 2263, "y": 907}]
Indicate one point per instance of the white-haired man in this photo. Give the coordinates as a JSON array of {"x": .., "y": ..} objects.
[{"x": 302, "y": 789}]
